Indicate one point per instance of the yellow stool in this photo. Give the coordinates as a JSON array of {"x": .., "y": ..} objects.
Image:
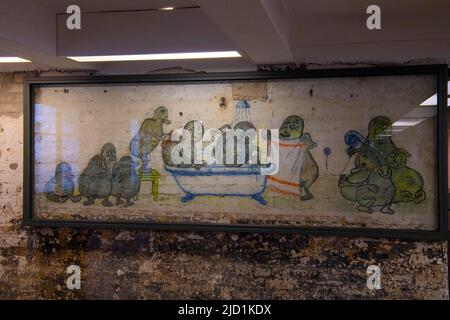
[{"x": 152, "y": 176}]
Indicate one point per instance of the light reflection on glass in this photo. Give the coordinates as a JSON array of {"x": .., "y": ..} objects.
[{"x": 55, "y": 141}]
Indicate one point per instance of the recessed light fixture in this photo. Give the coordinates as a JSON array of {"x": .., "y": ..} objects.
[
  {"x": 166, "y": 8},
  {"x": 407, "y": 122},
  {"x": 432, "y": 101},
  {"x": 159, "y": 56},
  {"x": 395, "y": 130},
  {"x": 12, "y": 60}
]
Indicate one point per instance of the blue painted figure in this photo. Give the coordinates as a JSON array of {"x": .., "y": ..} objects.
[{"x": 60, "y": 188}]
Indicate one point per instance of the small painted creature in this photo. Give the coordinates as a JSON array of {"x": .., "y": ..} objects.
[
  {"x": 380, "y": 176},
  {"x": 369, "y": 182},
  {"x": 370, "y": 185},
  {"x": 292, "y": 129},
  {"x": 95, "y": 181},
  {"x": 379, "y": 135},
  {"x": 195, "y": 129},
  {"x": 222, "y": 143},
  {"x": 60, "y": 188},
  {"x": 149, "y": 136},
  {"x": 379, "y": 191},
  {"x": 125, "y": 181},
  {"x": 297, "y": 169},
  {"x": 310, "y": 170},
  {"x": 408, "y": 182},
  {"x": 244, "y": 126}
]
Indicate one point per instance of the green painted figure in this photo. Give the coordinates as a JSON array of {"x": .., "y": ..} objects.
[
  {"x": 380, "y": 176},
  {"x": 149, "y": 136},
  {"x": 408, "y": 182},
  {"x": 297, "y": 170},
  {"x": 379, "y": 135}
]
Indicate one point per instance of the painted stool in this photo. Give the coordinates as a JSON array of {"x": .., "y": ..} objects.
[{"x": 152, "y": 176}]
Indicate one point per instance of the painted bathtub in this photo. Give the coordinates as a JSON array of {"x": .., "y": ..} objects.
[{"x": 219, "y": 180}]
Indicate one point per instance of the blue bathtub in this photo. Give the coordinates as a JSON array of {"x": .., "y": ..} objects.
[{"x": 219, "y": 180}]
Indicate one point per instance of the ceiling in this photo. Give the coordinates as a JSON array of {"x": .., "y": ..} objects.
[
  {"x": 264, "y": 31},
  {"x": 59, "y": 6}
]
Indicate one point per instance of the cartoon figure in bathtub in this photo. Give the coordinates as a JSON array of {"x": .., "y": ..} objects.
[
  {"x": 196, "y": 131},
  {"x": 199, "y": 178},
  {"x": 297, "y": 169}
]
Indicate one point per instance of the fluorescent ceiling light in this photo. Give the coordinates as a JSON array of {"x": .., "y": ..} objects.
[
  {"x": 407, "y": 122},
  {"x": 159, "y": 56},
  {"x": 432, "y": 101},
  {"x": 395, "y": 130},
  {"x": 167, "y": 8},
  {"x": 12, "y": 60}
]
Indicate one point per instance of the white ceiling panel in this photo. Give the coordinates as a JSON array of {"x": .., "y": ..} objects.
[{"x": 142, "y": 32}]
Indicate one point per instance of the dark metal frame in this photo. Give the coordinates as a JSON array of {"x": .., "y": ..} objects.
[
  {"x": 440, "y": 71},
  {"x": 448, "y": 195},
  {"x": 448, "y": 97}
]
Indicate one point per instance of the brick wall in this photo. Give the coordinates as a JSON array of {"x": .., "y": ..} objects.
[{"x": 123, "y": 264}]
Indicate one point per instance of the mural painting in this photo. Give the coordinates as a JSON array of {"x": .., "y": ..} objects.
[{"x": 324, "y": 173}]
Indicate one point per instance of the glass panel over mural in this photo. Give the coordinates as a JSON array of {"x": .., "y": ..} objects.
[{"x": 334, "y": 152}]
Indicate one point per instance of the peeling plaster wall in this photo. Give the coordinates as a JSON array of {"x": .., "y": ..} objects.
[{"x": 122, "y": 264}]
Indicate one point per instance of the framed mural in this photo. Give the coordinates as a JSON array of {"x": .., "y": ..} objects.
[{"x": 334, "y": 152}]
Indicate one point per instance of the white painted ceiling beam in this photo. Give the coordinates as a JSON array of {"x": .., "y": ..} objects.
[
  {"x": 327, "y": 32},
  {"x": 257, "y": 27}
]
